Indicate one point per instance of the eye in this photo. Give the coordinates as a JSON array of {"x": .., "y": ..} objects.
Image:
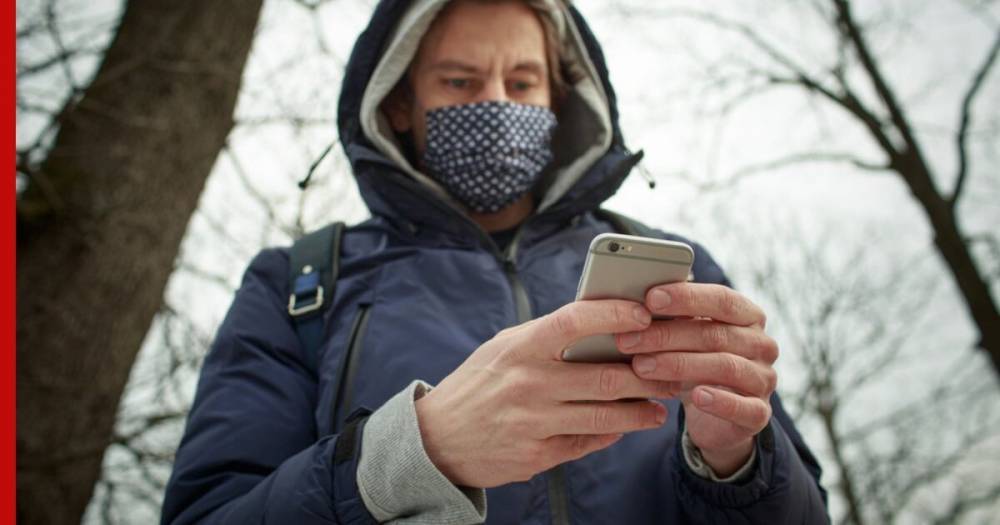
[
  {"x": 521, "y": 85},
  {"x": 457, "y": 83}
]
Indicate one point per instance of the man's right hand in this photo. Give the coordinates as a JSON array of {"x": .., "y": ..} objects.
[{"x": 513, "y": 408}]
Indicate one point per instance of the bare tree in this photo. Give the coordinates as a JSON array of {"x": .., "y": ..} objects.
[
  {"x": 853, "y": 80},
  {"x": 284, "y": 122},
  {"x": 857, "y": 331},
  {"x": 109, "y": 188}
]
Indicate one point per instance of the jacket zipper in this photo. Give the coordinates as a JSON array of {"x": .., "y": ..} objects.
[
  {"x": 558, "y": 500},
  {"x": 343, "y": 394},
  {"x": 522, "y": 303},
  {"x": 556, "y": 476}
]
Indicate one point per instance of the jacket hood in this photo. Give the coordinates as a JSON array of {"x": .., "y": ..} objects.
[{"x": 590, "y": 157}]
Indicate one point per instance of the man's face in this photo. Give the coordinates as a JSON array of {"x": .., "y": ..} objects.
[{"x": 474, "y": 52}]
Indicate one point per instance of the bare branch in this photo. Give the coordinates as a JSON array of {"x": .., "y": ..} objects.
[
  {"x": 286, "y": 119},
  {"x": 981, "y": 10},
  {"x": 746, "y": 31},
  {"x": 219, "y": 227},
  {"x": 936, "y": 468},
  {"x": 206, "y": 275},
  {"x": 147, "y": 424},
  {"x": 963, "y": 129},
  {"x": 61, "y": 59},
  {"x": 311, "y": 5},
  {"x": 850, "y": 28},
  {"x": 793, "y": 159},
  {"x": 273, "y": 220},
  {"x": 50, "y": 21},
  {"x": 799, "y": 76},
  {"x": 962, "y": 506},
  {"x": 850, "y": 102}
]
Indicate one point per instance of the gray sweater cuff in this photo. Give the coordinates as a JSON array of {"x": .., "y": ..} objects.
[
  {"x": 397, "y": 480},
  {"x": 694, "y": 460}
]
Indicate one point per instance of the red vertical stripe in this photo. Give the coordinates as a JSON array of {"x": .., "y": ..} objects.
[{"x": 9, "y": 257}]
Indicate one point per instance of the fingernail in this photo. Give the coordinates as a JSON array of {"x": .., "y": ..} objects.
[
  {"x": 644, "y": 364},
  {"x": 641, "y": 315},
  {"x": 704, "y": 398},
  {"x": 658, "y": 299},
  {"x": 661, "y": 414},
  {"x": 630, "y": 339}
]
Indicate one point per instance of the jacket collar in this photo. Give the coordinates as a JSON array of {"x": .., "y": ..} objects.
[{"x": 389, "y": 192}]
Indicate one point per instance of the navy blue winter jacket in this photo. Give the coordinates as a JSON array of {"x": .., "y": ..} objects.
[{"x": 420, "y": 288}]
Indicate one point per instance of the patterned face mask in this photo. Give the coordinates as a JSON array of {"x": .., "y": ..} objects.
[{"x": 488, "y": 154}]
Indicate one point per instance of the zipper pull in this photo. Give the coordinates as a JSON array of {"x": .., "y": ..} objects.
[
  {"x": 312, "y": 168},
  {"x": 643, "y": 172},
  {"x": 647, "y": 175}
]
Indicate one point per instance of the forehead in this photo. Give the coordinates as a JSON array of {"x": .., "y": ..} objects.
[{"x": 482, "y": 31}]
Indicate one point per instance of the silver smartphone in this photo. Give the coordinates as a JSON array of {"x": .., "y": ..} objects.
[{"x": 625, "y": 267}]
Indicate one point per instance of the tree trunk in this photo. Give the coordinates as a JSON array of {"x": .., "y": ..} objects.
[
  {"x": 99, "y": 228},
  {"x": 948, "y": 240}
]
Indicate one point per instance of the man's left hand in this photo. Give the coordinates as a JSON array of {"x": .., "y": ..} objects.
[{"x": 716, "y": 350}]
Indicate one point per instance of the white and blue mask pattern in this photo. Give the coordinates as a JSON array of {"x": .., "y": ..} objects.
[{"x": 488, "y": 154}]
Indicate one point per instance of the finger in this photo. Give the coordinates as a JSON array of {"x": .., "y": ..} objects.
[
  {"x": 603, "y": 382},
  {"x": 704, "y": 300},
  {"x": 580, "y": 319},
  {"x": 723, "y": 369},
  {"x": 560, "y": 449},
  {"x": 700, "y": 336},
  {"x": 604, "y": 417},
  {"x": 750, "y": 413}
]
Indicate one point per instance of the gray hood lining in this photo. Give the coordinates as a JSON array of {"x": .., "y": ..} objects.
[{"x": 584, "y": 132}]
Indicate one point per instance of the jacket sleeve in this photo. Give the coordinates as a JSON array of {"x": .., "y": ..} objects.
[
  {"x": 250, "y": 453},
  {"x": 784, "y": 488}
]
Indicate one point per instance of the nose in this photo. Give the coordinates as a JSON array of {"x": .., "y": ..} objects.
[{"x": 494, "y": 90}]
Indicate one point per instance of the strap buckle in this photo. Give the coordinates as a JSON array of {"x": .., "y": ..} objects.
[
  {"x": 307, "y": 288},
  {"x": 295, "y": 309}
]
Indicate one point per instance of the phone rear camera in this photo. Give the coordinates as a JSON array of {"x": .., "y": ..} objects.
[{"x": 614, "y": 246}]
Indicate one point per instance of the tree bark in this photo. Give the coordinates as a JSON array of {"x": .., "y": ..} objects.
[{"x": 99, "y": 228}]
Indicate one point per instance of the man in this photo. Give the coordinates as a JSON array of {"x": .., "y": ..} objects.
[{"x": 484, "y": 135}]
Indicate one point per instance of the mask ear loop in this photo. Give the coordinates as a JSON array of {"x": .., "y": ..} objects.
[{"x": 312, "y": 168}]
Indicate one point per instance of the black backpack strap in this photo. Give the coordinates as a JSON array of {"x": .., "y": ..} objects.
[
  {"x": 314, "y": 262},
  {"x": 625, "y": 225}
]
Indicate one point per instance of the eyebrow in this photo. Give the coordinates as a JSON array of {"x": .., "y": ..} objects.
[
  {"x": 532, "y": 66},
  {"x": 454, "y": 65}
]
